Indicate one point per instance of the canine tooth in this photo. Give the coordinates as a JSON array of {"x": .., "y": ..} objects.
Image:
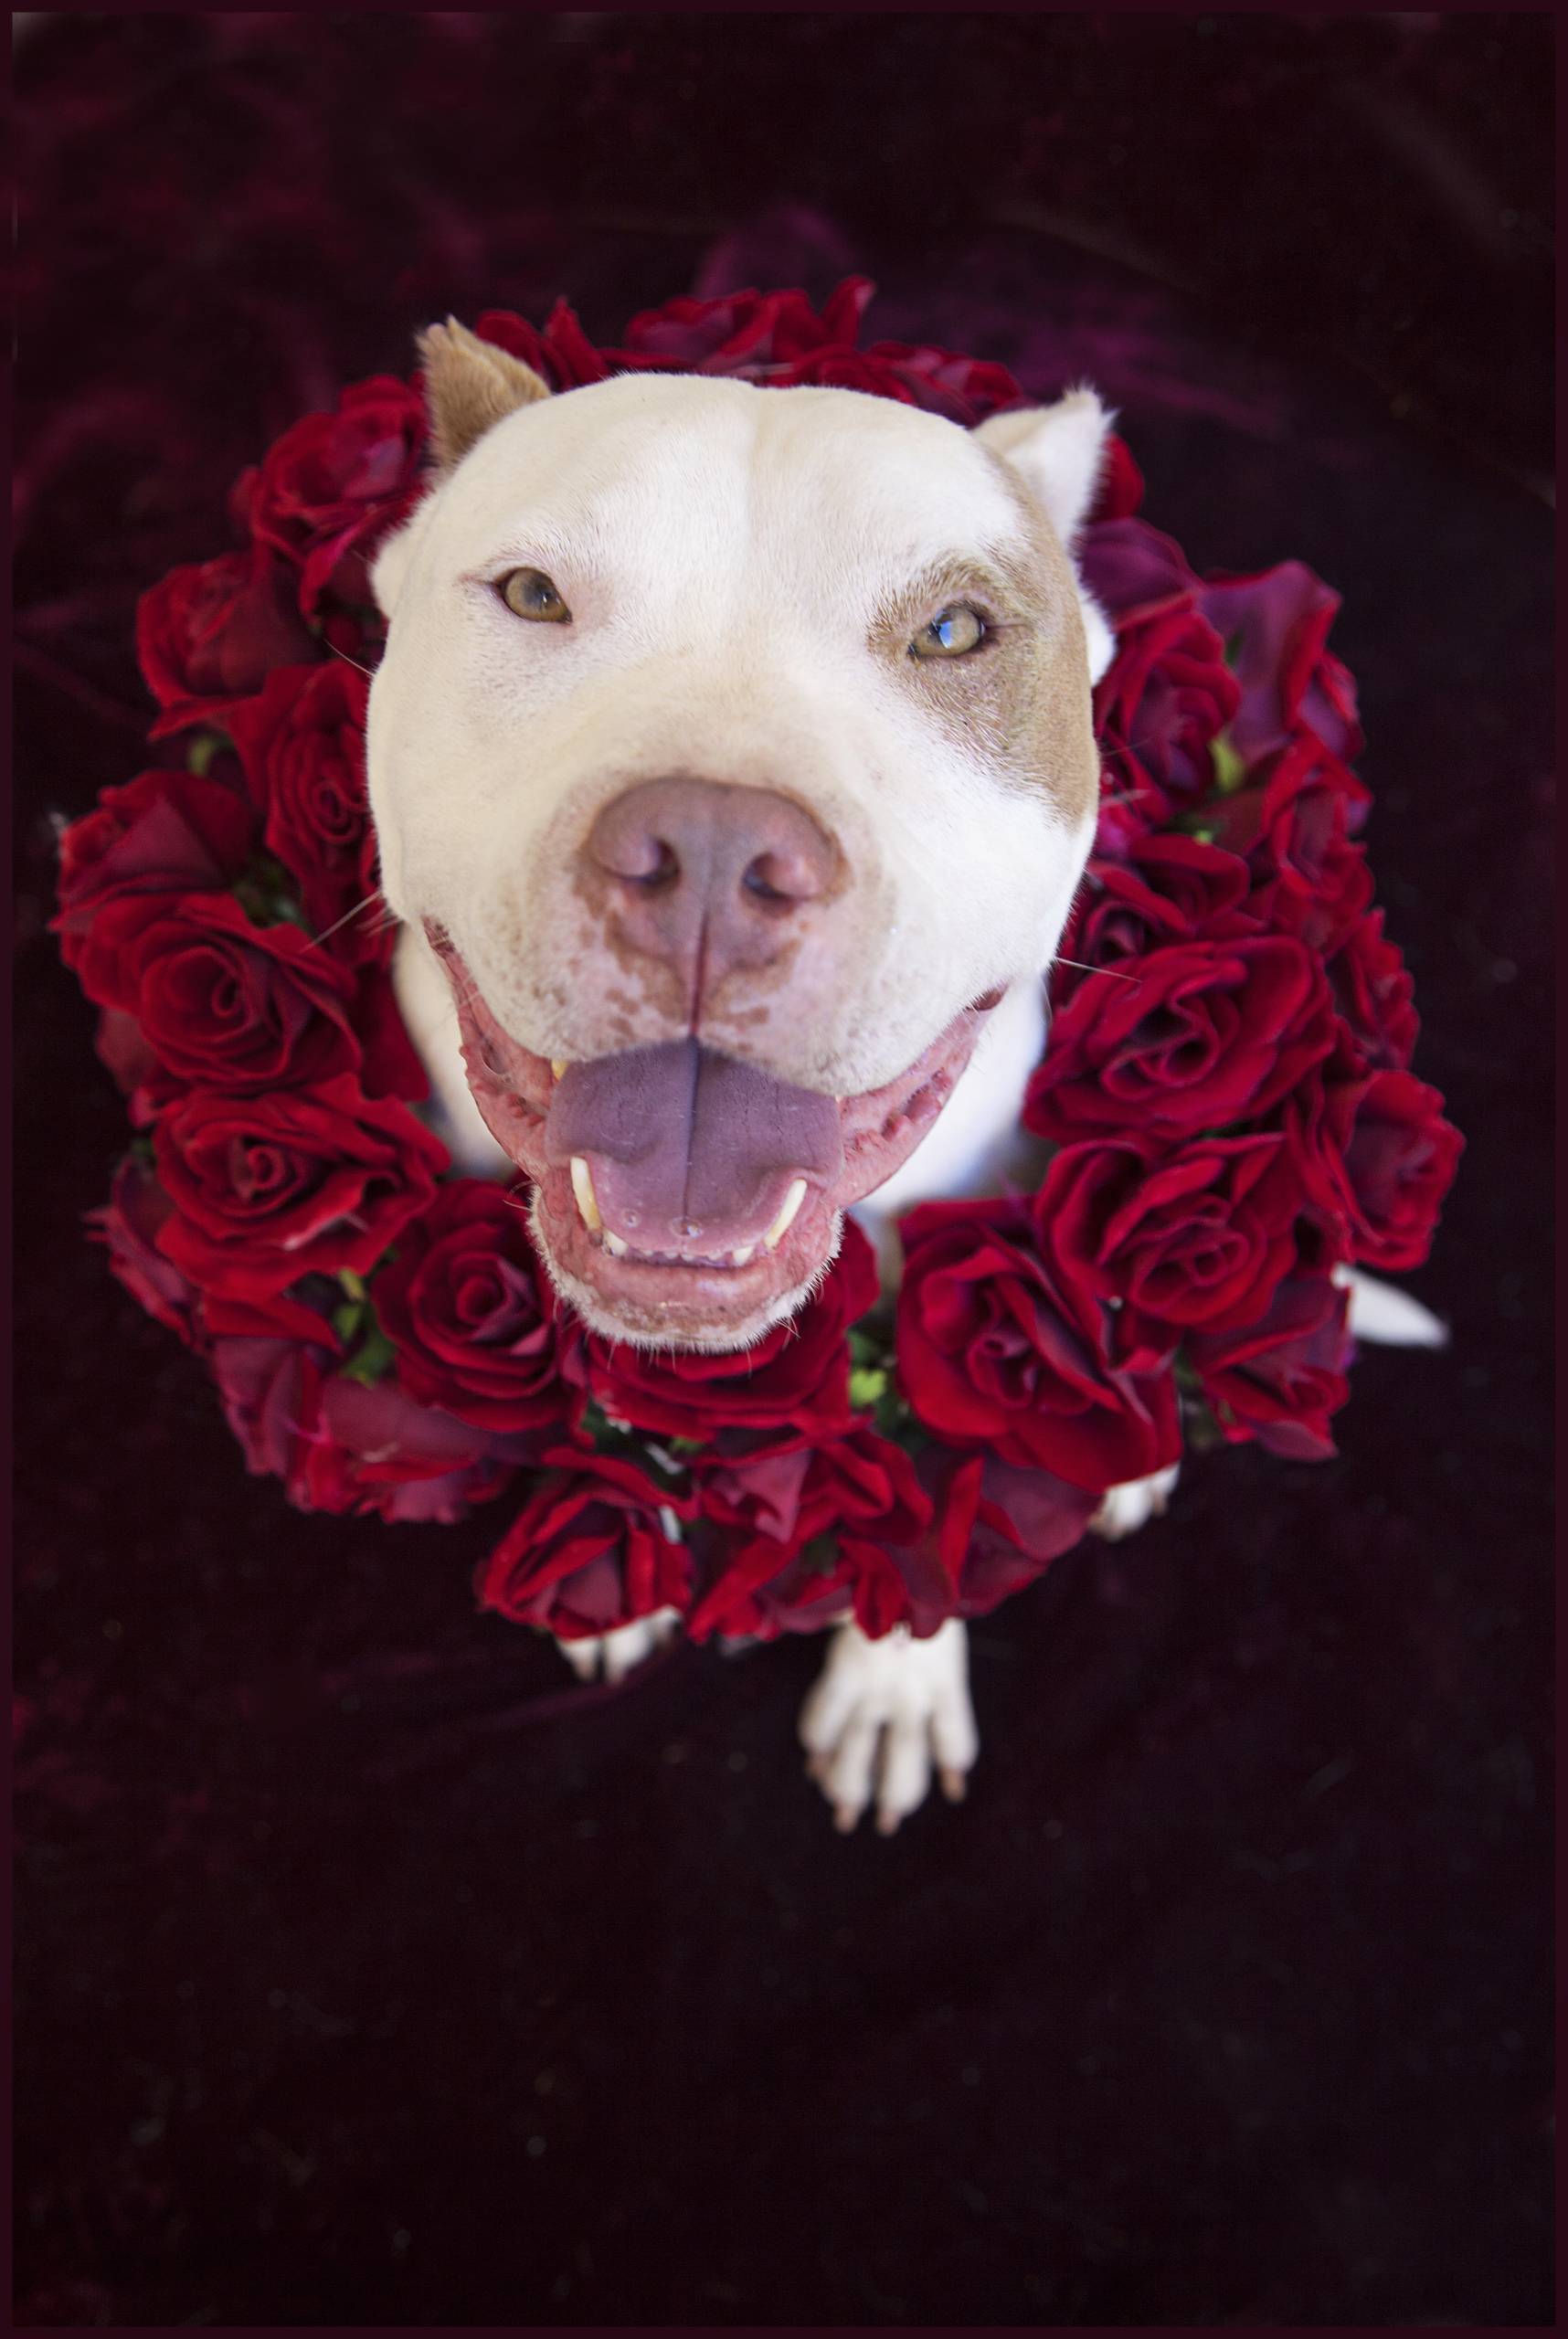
[
  {"x": 559, "y": 1067},
  {"x": 744, "y": 1257},
  {"x": 614, "y": 1245},
  {"x": 786, "y": 1218},
  {"x": 582, "y": 1186}
]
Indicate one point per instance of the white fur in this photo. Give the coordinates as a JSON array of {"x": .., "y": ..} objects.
[{"x": 880, "y": 1714}]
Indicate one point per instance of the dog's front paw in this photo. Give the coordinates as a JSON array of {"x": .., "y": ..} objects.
[
  {"x": 615, "y": 1654},
  {"x": 1127, "y": 1508},
  {"x": 880, "y": 1713}
]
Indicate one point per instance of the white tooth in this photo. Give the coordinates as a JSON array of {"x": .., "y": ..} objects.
[
  {"x": 614, "y": 1245},
  {"x": 744, "y": 1257},
  {"x": 786, "y": 1218},
  {"x": 582, "y": 1186},
  {"x": 559, "y": 1068}
]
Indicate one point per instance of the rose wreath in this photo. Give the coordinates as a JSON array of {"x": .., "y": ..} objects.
[{"x": 1226, "y": 1110}]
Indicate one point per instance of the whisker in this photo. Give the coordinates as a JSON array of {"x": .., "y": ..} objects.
[
  {"x": 1085, "y": 970},
  {"x": 369, "y": 672},
  {"x": 346, "y": 919}
]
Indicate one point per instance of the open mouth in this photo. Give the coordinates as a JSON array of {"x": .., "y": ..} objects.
[{"x": 681, "y": 1195}]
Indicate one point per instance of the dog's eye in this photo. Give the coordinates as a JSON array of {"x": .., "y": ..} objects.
[
  {"x": 953, "y": 633},
  {"x": 529, "y": 593}
]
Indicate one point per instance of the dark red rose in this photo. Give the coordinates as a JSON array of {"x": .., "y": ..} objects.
[
  {"x": 1280, "y": 1379},
  {"x": 129, "y": 1224},
  {"x": 1309, "y": 879},
  {"x": 302, "y": 745},
  {"x": 329, "y": 488},
  {"x": 997, "y": 1348},
  {"x": 746, "y": 333},
  {"x": 267, "y": 1189},
  {"x": 1201, "y": 1236},
  {"x": 1373, "y": 992},
  {"x": 1120, "y": 489},
  {"x": 1400, "y": 1157},
  {"x": 1275, "y": 627},
  {"x": 1160, "y": 705},
  {"x": 221, "y": 1001},
  {"x": 779, "y": 1578},
  {"x": 1194, "y": 1037},
  {"x": 590, "y": 1551},
  {"x": 1164, "y": 889},
  {"x": 965, "y": 390},
  {"x": 795, "y": 1381},
  {"x": 1135, "y": 573},
  {"x": 212, "y": 632},
  {"x": 993, "y": 1531},
  {"x": 121, "y": 1050},
  {"x": 471, "y": 1312},
  {"x": 375, "y": 1451},
  {"x": 270, "y": 1392},
  {"x": 561, "y": 355},
  {"x": 166, "y": 833}
]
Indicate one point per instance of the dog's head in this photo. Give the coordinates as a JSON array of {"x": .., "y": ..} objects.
[{"x": 733, "y": 747}]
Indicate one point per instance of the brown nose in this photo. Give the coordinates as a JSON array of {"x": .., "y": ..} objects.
[{"x": 710, "y": 878}]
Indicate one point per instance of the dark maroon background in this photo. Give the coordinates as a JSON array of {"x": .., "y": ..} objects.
[{"x": 369, "y": 1971}]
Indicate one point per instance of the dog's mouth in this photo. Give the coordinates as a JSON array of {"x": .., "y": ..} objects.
[{"x": 683, "y": 1196}]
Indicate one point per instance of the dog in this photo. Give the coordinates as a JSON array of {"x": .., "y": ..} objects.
[{"x": 732, "y": 766}]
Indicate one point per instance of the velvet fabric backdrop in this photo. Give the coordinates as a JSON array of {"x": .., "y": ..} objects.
[{"x": 370, "y": 1971}]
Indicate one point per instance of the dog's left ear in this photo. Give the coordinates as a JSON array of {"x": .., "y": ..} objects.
[
  {"x": 1059, "y": 452},
  {"x": 469, "y": 386},
  {"x": 1060, "y": 449}
]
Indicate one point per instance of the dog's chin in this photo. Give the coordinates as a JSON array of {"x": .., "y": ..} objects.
[{"x": 681, "y": 1199}]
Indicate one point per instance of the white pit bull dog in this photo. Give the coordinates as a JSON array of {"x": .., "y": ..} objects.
[{"x": 732, "y": 765}]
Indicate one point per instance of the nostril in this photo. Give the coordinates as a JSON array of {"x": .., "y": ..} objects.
[
  {"x": 782, "y": 876},
  {"x": 665, "y": 873}
]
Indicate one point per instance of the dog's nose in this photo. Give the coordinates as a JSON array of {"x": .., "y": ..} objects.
[{"x": 710, "y": 877}]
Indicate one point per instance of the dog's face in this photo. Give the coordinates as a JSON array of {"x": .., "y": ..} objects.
[{"x": 734, "y": 749}]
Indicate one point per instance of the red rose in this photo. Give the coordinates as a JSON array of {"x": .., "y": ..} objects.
[
  {"x": 1201, "y": 1236},
  {"x": 761, "y": 333},
  {"x": 212, "y": 632},
  {"x": 220, "y": 1001},
  {"x": 1275, "y": 628},
  {"x": 795, "y": 1380},
  {"x": 301, "y": 743},
  {"x": 1191, "y": 1038},
  {"x": 1309, "y": 879},
  {"x": 1135, "y": 573},
  {"x": 997, "y": 1348},
  {"x": 267, "y": 1189},
  {"x": 1163, "y": 702},
  {"x": 780, "y": 1580},
  {"x": 328, "y": 488},
  {"x": 993, "y": 1531},
  {"x": 1400, "y": 1157},
  {"x": 589, "y": 1551},
  {"x": 1164, "y": 889},
  {"x": 129, "y": 1224},
  {"x": 166, "y": 833},
  {"x": 471, "y": 1312},
  {"x": 561, "y": 355},
  {"x": 1120, "y": 490},
  {"x": 270, "y": 1392},
  {"x": 375, "y": 1450},
  {"x": 1373, "y": 992},
  {"x": 1280, "y": 1379}
]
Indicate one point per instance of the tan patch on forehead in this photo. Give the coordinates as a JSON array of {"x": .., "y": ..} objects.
[{"x": 1022, "y": 702}]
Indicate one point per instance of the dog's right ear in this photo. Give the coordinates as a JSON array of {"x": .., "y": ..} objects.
[{"x": 469, "y": 386}]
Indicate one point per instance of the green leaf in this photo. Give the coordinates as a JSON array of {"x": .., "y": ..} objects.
[
  {"x": 1232, "y": 650},
  {"x": 1230, "y": 771},
  {"x": 821, "y": 1555},
  {"x": 867, "y": 1385},
  {"x": 375, "y": 1360},
  {"x": 201, "y": 751},
  {"x": 354, "y": 1285}
]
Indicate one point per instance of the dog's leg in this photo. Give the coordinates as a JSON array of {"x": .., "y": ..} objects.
[
  {"x": 615, "y": 1655},
  {"x": 881, "y": 1712},
  {"x": 1127, "y": 1508}
]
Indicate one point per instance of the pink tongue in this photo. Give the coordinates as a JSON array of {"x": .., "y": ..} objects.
[{"x": 685, "y": 1143}]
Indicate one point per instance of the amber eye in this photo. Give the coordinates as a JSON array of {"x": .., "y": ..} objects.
[
  {"x": 953, "y": 632},
  {"x": 529, "y": 593}
]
